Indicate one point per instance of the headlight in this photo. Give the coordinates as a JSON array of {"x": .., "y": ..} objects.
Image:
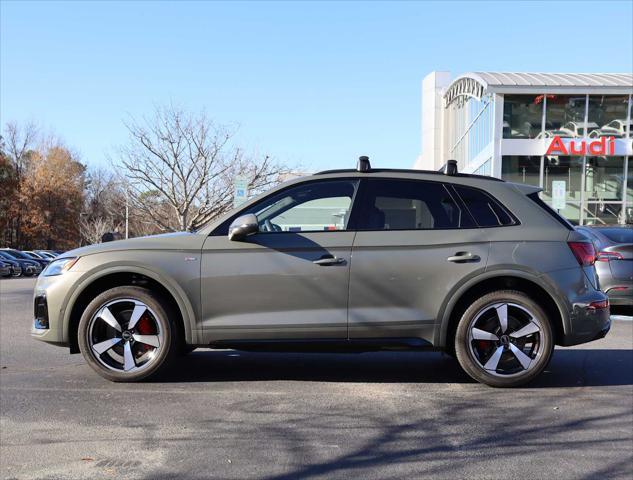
[{"x": 57, "y": 267}]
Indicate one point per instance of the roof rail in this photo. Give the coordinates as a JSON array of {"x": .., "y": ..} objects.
[
  {"x": 363, "y": 164},
  {"x": 449, "y": 168}
]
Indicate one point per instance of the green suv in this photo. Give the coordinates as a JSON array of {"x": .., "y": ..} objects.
[{"x": 344, "y": 260}]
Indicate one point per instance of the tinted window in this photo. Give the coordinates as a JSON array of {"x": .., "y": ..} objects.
[
  {"x": 486, "y": 211},
  {"x": 309, "y": 207},
  {"x": 409, "y": 205},
  {"x": 618, "y": 235}
]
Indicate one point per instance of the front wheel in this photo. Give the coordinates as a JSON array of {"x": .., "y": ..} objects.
[
  {"x": 125, "y": 334},
  {"x": 504, "y": 339}
]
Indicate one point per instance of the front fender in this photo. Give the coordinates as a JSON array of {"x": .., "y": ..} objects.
[{"x": 87, "y": 278}]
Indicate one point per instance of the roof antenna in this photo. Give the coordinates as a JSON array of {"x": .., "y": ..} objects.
[
  {"x": 363, "y": 164},
  {"x": 450, "y": 167}
]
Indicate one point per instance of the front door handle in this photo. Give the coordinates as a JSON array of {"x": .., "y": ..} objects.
[
  {"x": 461, "y": 257},
  {"x": 326, "y": 260}
]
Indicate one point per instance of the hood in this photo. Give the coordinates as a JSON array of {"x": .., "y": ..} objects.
[{"x": 165, "y": 241}]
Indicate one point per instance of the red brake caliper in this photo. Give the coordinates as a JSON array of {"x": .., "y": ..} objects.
[{"x": 145, "y": 327}]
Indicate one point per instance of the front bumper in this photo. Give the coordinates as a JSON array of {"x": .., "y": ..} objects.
[{"x": 49, "y": 301}]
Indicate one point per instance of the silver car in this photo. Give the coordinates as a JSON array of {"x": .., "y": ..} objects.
[
  {"x": 614, "y": 261},
  {"x": 350, "y": 260}
]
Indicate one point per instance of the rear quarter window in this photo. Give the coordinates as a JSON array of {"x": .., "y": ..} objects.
[
  {"x": 536, "y": 199},
  {"x": 486, "y": 210}
]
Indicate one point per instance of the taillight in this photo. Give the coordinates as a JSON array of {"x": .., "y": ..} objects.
[
  {"x": 600, "y": 305},
  {"x": 584, "y": 252},
  {"x": 608, "y": 256}
]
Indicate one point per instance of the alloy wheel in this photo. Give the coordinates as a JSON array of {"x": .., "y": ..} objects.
[
  {"x": 125, "y": 335},
  {"x": 505, "y": 339}
]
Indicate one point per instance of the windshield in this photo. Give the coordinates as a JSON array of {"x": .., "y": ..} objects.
[
  {"x": 618, "y": 235},
  {"x": 16, "y": 254}
]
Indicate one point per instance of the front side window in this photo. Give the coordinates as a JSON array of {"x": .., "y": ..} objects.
[
  {"x": 309, "y": 207},
  {"x": 486, "y": 211},
  {"x": 409, "y": 205}
]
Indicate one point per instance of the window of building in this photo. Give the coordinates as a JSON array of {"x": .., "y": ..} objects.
[
  {"x": 521, "y": 169},
  {"x": 602, "y": 213},
  {"x": 565, "y": 115},
  {"x": 485, "y": 168},
  {"x": 562, "y": 169},
  {"x": 409, "y": 205},
  {"x": 604, "y": 179},
  {"x": 522, "y": 116},
  {"x": 486, "y": 211},
  {"x": 608, "y": 115}
]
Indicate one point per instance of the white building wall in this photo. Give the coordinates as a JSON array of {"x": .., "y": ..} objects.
[{"x": 433, "y": 87}]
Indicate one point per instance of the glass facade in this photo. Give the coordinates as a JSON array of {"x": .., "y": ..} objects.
[
  {"x": 597, "y": 189},
  {"x": 608, "y": 116},
  {"x": 522, "y": 116},
  {"x": 470, "y": 129},
  {"x": 565, "y": 115}
]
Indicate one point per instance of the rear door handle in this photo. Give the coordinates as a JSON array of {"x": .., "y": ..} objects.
[
  {"x": 461, "y": 257},
  {"x": 326, "y": 260}
]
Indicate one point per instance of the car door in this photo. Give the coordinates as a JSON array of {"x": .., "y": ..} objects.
[
  {"x": 412, "y": 246},
  {"x": 288, "y": 281}
]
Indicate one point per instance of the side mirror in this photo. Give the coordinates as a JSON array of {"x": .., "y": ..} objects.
[{"x": 243, "y": 226}]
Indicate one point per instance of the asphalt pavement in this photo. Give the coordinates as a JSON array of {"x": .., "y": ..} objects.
[{"x": 235, "y": 415}]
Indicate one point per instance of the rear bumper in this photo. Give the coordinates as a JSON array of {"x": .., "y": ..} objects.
[
  {"x": 577, "y": 297},
  {"x": 622, "y": 295},
  {"x": 587, "y": 324}
]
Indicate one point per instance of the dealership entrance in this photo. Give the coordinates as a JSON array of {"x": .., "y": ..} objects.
[{"x": 570, "y": 134}]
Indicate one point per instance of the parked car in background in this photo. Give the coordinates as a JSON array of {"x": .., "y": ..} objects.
[
  {"x": 16, "y": 269},
  {"x": 554, "y": 133},
  {"x": 5, "y": 269},
  {"x": 34, "y": 254},
  {"x": 614, "y": 260},
  {"x": 578, "y": 129},
  {"x": 27, "y": 268},
  {"x": 616, "y": 128},
  {"x": 25, "y": 256},
  {"x": 48, "y": 254},
  {"x": 475, "y": 266}
]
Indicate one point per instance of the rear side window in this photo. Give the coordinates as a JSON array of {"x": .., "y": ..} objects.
[
  {"x": 536, "y": 199},
  {"x": 486, "y": 211},
  {"x": 391, "y": 204}
]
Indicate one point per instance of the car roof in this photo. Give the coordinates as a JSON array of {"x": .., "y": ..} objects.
[{"x": 413, "y": 172}]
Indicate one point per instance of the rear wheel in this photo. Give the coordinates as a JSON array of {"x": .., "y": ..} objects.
[
  {"x": 504, "y": 339},
  {"x": 125, "y": 334}
]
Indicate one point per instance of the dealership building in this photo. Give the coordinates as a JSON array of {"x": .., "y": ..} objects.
[{"x": 568, "y": 133}]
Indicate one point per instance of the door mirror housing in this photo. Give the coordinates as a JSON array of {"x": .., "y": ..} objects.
[{"x": 243, "y": 226}]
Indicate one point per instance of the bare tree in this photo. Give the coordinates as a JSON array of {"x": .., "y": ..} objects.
[
  {"x": 18, "y": 142},
  {"x": 93, "y": 229},
  {"x": 181, "y": 168}
]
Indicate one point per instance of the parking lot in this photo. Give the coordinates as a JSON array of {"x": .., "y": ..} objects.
[{"x": 225, "y": 414}]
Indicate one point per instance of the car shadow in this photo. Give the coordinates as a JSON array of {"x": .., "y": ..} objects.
[{"x": 568, "y": 368}]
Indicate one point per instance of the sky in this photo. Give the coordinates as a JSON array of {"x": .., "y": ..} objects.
[{"x": 311, "y": 84}]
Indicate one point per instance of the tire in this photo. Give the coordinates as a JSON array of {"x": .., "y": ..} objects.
[
  {"x": 498, "y": 356},
  {"x": 185, "y": 350},
  {"x": 143, "y": 326}
]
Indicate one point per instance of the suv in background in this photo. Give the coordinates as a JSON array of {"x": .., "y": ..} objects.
[{"x": 344, "y": 260}]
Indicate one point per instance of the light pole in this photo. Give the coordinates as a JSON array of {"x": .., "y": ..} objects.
[{"x": 127, "y": 211}]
